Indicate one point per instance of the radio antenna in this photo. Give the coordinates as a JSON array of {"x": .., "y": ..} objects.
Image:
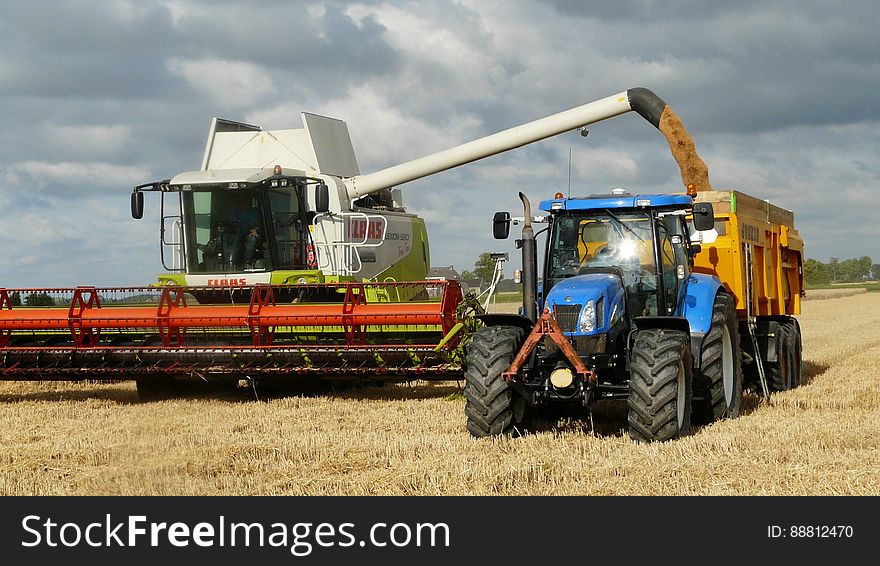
[{"x": 569, "y": 172}]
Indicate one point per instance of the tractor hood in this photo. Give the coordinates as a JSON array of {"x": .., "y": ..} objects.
[{"x": 587, "y": 304}]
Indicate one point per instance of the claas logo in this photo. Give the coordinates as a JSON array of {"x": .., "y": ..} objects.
[
  {"x": 231, "y": 282},
  {"x": 359, "y": 228}
]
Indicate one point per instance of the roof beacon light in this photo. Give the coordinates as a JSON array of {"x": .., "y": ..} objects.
[
  {"x": 277, "y": 170},
  {"x": 558, "y": 195},
  {"x": 692, "y": 189}
]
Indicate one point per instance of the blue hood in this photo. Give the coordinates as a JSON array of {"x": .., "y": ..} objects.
[{"x": 605, "y": 290}]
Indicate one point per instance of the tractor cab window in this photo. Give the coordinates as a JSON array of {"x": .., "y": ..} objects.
[
  {"x": 602, "y": 241},
  {"x": 227, "y": 232},
  {"x": 673, "y": 257}
]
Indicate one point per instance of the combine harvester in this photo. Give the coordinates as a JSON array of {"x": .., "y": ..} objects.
[{"x": 282, "y": 260}]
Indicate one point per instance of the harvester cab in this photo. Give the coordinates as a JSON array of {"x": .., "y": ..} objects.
[
  {"x": 271, "y": 206},
  {"x": 239, "y": 228}
]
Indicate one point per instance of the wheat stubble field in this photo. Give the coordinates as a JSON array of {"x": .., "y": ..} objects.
[{"x": 98, "y": 439}]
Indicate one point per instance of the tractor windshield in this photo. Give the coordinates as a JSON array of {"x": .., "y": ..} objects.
[{"x": 599, "y": 240}]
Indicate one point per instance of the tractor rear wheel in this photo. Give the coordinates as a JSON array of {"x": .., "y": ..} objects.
[
  {"x": 660, "y": 385},
  {"x": 493, "y": 407},
  {"x": 719, "y": 383},
  {"x": 779, "y": 373}
]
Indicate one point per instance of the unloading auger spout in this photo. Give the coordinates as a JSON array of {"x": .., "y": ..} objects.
[{"x": 641, "y": 100}]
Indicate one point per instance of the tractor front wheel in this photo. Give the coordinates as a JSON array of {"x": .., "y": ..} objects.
[
  {"x": 660, "y": 385},
  {"x": 493, "y": 407}
]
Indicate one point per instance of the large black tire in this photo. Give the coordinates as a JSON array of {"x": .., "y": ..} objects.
[
  {"x": 779, "y": 373},
  {"x": 660, "y": 385},
  {"x": 719, "y": 383},
  {"x": 493, "y": 407},
  {"x": 795, "y": 353}
]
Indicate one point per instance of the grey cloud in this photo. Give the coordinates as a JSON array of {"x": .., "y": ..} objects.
[
  {"x": 316, "y": 52},
  {"x": 70, "y": 50}
]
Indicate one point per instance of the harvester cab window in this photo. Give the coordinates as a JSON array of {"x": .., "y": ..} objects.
[
  {"x": 228, "y": 234},
  {"x": 291, "y": 230}
]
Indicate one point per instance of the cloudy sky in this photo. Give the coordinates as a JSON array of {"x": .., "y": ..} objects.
[{"x": 95, "y": 97}]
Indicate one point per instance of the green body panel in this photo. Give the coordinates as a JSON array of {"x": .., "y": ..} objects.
[
  {"x": 412, "y": 267},
  {"x": 415, "y": 265}
]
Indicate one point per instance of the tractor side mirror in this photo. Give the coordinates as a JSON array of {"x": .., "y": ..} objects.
[
  {"x": 704, "y": 216},
  {"x": 137, "y": 205},
  {"x": 322, "y": 198},
  {"x": 501, "y": 225}
]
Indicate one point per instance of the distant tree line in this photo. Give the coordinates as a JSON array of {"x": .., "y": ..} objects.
[
  {"x": 41, "y": 299},
  {"x": 484, "y": 268},
  {"x": 840, "y": 271}
]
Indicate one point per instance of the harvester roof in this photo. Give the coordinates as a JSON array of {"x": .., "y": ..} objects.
[{"x": 224, "y": 177}]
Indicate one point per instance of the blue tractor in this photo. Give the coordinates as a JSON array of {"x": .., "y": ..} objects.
[{"x": 620, "y": 314}]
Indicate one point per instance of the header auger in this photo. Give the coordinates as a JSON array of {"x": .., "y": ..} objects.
[{"x": 160, "y": 332}]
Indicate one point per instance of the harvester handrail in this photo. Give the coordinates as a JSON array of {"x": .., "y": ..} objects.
[{"x": 347, "y": 248}]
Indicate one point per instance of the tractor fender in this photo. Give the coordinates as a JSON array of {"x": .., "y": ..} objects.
[
  {"x": 698, "y": 301},
  {"x": 670, "y": 322},
  {"x": 696, "y": 306}
]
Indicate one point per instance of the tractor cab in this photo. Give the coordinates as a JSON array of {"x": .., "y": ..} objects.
[{"x": 622, "y": 254}]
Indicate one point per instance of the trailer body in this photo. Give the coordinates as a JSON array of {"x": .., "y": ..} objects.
[{"x": 758, "y": 254}]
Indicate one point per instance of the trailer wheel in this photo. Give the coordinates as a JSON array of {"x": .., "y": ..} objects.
[
  {"x": 796, "y": 355},
  {"x": 779, "y": 373},
  {"x": 493, "y": 407},
  {"x": 660, "y": 385},
  {"x": 719, "y": 383}
]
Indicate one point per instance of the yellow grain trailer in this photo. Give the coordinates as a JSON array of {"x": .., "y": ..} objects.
[{"x": 759, "y": 257}]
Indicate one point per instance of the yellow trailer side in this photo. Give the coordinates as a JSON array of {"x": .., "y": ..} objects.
[{"x": 758, "y": 255}]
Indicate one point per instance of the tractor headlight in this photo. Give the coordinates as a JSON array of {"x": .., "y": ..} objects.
[{"x": 587, "y": 322}]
